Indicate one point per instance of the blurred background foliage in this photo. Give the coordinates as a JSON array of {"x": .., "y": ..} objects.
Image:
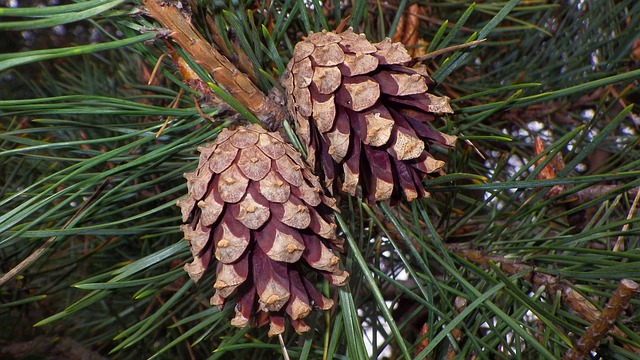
[{"x": 515, "y": 255}]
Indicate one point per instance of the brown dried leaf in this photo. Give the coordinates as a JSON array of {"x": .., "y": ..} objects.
[
  {"x": 556, "y": 164},
  {"x": 407, "y": 29},
  {"x": 635, "y": 50}
]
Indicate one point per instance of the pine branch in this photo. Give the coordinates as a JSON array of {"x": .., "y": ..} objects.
[
  {"x": 595, "y": 333},
  {"x": 267, "y": 109}
]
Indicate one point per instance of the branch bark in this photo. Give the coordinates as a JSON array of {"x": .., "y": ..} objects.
[
  {"x": 265, "y": 108},
  {"x": 599, "y": 328}
]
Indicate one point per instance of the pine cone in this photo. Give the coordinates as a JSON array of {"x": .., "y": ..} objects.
[
  {"x": 360, "y": 110},
  {"x": 261, "y": 213}
]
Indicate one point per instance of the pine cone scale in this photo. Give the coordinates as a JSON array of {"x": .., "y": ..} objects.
[
  {"x": 326, "y": 80},
  {"x": 232, "y": 184},
  {"x": 358, "y": 93},
  {"x": 324, "y": 110},
  {"x": 253, "y": 211},
  {"x": 225, "y": 155},
  {"x": 229, "y": 277},
  {"x": 358, "y": 64},
  {"x": 272, "y": 287},
  {"x": 303, "y": 73},
  {"x": 233, "y": 240},
  {"x": 254, "y": 164}
]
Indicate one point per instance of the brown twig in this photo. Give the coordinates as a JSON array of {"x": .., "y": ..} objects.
[
  {"x": 618, "y": 246},
  {"x": 593, "y": 192},
  {"x": 552, "y": 285},
  {"x": 433, "y": 54},
  {"x": 285, "y": 354},
  {"x": 598, "y": 329},
  {"x": 225, "y": 73}
]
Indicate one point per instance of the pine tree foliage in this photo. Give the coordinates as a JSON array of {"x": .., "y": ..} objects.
[{"x": 527, "y": 248}]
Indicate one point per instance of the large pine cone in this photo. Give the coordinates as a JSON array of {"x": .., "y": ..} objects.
[
  {"x": 362, "y": 112},
  {"x": 255, "y": 206}
]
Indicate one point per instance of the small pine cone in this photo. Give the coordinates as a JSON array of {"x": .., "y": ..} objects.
[
  {"x": 360, "y": 110},
  {"x": 257, "y": 209}
]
